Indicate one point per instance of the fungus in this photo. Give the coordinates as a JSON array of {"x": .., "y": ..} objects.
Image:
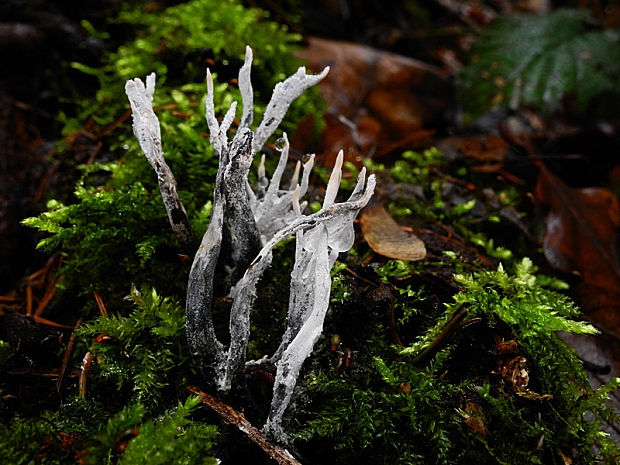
[{"x": 254, "y": 223}]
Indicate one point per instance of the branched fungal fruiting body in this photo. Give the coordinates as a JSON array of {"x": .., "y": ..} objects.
[
  {"x": 147, "y": 131},
  {"x": 248, "y": 221}
]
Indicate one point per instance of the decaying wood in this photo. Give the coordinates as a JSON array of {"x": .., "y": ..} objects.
[{"x": 277, "y": 453}]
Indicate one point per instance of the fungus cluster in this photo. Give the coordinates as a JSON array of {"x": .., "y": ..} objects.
[{"x": 252, "y": 221}]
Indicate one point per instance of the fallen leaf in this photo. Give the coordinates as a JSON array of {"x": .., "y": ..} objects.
[
  {"x": 375, "y": 98},
  {"x": 580, "y": 236},
  {"x": 483, "y": 148},
  {"x": 515, "y": 372},
  {"x": 473, "y": 416},
  {"x": 385, "y": 236}
]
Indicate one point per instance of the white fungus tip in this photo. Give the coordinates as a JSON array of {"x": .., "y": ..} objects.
[
  {"x": 261, "y": 167},
  {"x": 310, "y": 163},
  {"x": 295, "y": 177},
  {"x": 150, "y": 85},
  {"x": 296, "y": 206},
  {"x": 209, "y": 82},
  {"x": 334, "y": 181}
]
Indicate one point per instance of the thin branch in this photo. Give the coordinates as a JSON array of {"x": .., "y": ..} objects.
[
  {"x": 277, "y": 453},
  {"x": 67, "y": 356}
]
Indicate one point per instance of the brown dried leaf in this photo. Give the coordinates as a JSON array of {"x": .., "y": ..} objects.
[
  {"x": 473, "y": 416},
  {"x": 482, "y": 148},
  {"x": 580, "y": 236},
  {"x": 515, "y": 372},
  {"x": 375, "y": 97},
  {"x": 385, "y": 236}
]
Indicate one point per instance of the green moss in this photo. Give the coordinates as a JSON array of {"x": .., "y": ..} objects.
[
  {"x": 127, "y": 439},
  {"x": 145, "y": 351},
  {"x": 464, "y": 404}
]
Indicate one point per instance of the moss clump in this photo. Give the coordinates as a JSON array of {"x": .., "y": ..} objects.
[
  {"x": 128, "y": 439},
  {"x": 502, "y": 381},
  {"x": 455, "y": 359},
  {"x": 112, "y": 230},
  {"x": 143, "y": 353}
]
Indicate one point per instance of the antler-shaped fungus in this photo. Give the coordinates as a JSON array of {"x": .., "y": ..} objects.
[
  {"x": 316, "y": 251},
  {"x": 249, "y": 219}
]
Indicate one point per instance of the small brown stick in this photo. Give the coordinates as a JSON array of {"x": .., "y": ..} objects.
[
  {"x": 102, "y": 308},
  {"x": 28, "y": 300},
  {"x": 277, "y": 453},
  {"x": 394, "y": 328},
  {"x": 361, "y": 278},
  {"x": 47, "y": 297},
  {"x": 185, "y": 263},
  {"x": 45, "y": 321},
  {"x": 43, "y": 373},
  {"x": 67, "y": 356},
  {"x": 84, "y": 369},
  {"x": 260, "y": 373}
]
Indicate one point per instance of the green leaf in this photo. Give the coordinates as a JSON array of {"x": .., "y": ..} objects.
[
  {"x": 385, "y": 372},
  {"x": 540, "y": 59}
]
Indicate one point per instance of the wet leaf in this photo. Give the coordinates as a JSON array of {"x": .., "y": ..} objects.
[
  {"x": 579, "y": 236},
  {"x": 482, "y": 148},
  {"x": 375, "y": 98},
  {"x": 386, "y": 237}
]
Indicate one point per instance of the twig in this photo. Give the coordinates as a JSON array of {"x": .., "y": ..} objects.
[
  {"x": 361, "y": 278},
  {"x": 277, "y": 453},
  {"x": 455, "y": 325},
  {"x": 28, "y": 300},
  {"x": 67, "y": 356},
  {"x": 45, "y": 321},
  {"x": 84, "y": 369},
  {"x": 260, "y": 373},
  {"x": 44, "y": 373},
  {"x": 47, "y": 297},
  {"x": 101, "y": 305}
]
